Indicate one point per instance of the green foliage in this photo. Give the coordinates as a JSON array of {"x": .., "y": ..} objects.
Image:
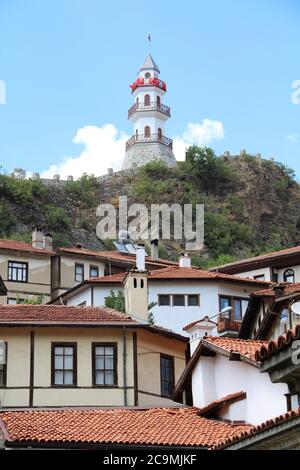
[
  {"x": 151, "y": 318},
  {"x": 155, "y": 169},
  {"x": 37, "y": 300},
  {"x": 82, "y": 222},
  {"x": 84, "y": 190},
  {"x": 57, "y": 219},
  {"x": 150, "y": 191},
  {"x": 20, "y": 237},
  {"x": 21, "y": 190},
  {"x": 236, "y": 206},
  {"x": 115, "y": 301},
  {"x": 210, "y": 170},
  {"x": 7, "y": 220}
]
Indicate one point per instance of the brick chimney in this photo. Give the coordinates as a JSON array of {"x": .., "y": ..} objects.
[{"x": 154, "y": 249}]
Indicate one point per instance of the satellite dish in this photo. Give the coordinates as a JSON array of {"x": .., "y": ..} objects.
[{"x": 296, "y": 308}]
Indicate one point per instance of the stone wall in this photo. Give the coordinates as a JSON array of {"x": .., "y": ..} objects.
[{"x": 141, "y": 153}]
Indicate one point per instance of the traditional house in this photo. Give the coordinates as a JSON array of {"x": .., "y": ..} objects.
[
  {"x": 278, "y": 266},
  {"x": 180, "y": 294}
]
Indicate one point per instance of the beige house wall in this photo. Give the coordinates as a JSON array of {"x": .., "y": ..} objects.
[
  {"x": 67, "y": 270},
  {"x": 149, "y": 346}
]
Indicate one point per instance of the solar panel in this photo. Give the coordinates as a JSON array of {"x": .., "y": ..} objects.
[{"x": 121, "y": 247}]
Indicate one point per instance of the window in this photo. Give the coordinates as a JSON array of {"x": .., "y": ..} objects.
[
  {"x": 159, "y": 133},
  {"x": 147, "y": 100},
  {"x": 147, "y": 75},
  {"x": 158, "y": 101},
  {"x": 193, "y": 300},
  {"x": 104, "y": 360},
  {"x": 12, "y": 301},
  {"x": 17, "y": 272},
  {"x": 289, "y": 276},
  {"x": 284, "y": 322},
  {"x": 64, "y": 365},
  {"x": 166, "y": 375},
  {"x": 178, "y": 301},
  {"x": 259, "y": 277},
  {"x": 224, "y": 302},
  {"x": 237, "y": 310},
  {"x": 239, "y": 307},
  {"x": 79, "y": 272},
  {"x": 164, "y": 300},
  {"x": 3, "y": 365},
  {"x": 147, "y": 131},
  {"x": 94, "y": 271}
]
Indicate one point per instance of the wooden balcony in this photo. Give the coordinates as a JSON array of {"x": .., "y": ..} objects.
[
  {"x": 153, "y": 106},
  {"x": 228, "y": 327},
  {"x": 142, "y": 139},
  {"x": 140, "y": 82}
]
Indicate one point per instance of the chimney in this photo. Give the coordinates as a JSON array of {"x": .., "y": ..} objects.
[
  {"x": 37, "y": 237},
  {"x": 47, "y": 241},
  {"x": 185, "y": 260},
  {"x": 136, "y": 295},
  {"x": 78, "y": 245},
  {"x": 154, "y": 249},
  {"x": 140, "y": 258},
  {"x": 198, "y": 330}
]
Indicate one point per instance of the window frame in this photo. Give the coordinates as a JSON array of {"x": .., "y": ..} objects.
[
  {"x": 285, "y": 275},
  {"x": 179, "y": 295},
  {"x": 167, "y": 356},
  {"x": 193, "y": 295},
  {"x": 25, "y": 263},
  {"x": 113, "y": 345},
  {"x": 62, "y": 344},
  {"x": 76, "y": 266},
  {"x": 164, "y": 305},
  {"x": 232, "y": 299},
  {"x": 93, "y": 266},
  {"x": 259, "y": 277},
  {"x": 4, "y": 385}
]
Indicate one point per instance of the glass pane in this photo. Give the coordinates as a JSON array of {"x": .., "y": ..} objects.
[
  {"x": 68, "y": 351},
  {"x": 99, "y": 362},
  {"x": 237, "y": 310},
  {"x": 68, "y": 362},
  {"x": 58, "y": 378},
  {"x": 164, "y": 300},
  {"x": 109, "y": 378},
  {"x": 224, "y": 302},
  {"x": 193, "y": 300},
  {"x": 99, "y": 378},
  {"x": 109, "y": 350},
  {"x": 68, "y": 378},
  {"x": 109, "y": 362},
  {"x": 59, "y": 362},
  {"x": 99, "y": 350},
  {"x": 178, "y": 300},
  {"x": 58, "y": 350}
]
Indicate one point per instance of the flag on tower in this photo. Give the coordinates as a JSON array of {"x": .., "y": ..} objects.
[{"x": 149, "y": 37}]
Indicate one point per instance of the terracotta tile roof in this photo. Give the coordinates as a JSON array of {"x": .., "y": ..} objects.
[
  {"x": 176, "y": 272},
  {"x": 22, "y": 246},
  {"x": 246, "y": 348},
  {"x": 61, "y": 314},
  {"x": 115, "y": 255},
  {"x": 112, "y": 279},
  {"x": 271, "y": 423},
  {"x": 286, "y": 288},
  {"x": 265, "y": 256},
  {"x": 156, "y": 427},
  {"x": 277, "y": 345},
  {"x": 204, "y": 319},
  {"x": 221, "y": 402}
]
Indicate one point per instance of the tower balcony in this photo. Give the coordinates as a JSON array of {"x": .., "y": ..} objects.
[
  {"x": 153, "y": 106},
  {"x": 153, "y": 81},
  {"x": 150, "y": 138}
]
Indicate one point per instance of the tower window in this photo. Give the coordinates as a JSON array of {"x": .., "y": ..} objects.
[
  {"x": 289, "y": 276},
  {"x": 147, "y": 75},
  {"x": 147, "y": 131},
  {"x": 158, "y": 101},
  {"x": 159, "y": 133},
  {"x": 147, "y": 100}
]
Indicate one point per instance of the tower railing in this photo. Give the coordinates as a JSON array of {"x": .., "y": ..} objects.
[
  {"x": 153, "y": 81},
  {"x": 143, "y": 138},
  {"x": 153, "y": 106}
]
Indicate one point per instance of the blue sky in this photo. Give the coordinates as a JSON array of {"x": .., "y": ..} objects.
[{"x": 67, "y": 66}]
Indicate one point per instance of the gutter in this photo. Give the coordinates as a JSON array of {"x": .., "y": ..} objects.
[{"x": 125, "y": 366}]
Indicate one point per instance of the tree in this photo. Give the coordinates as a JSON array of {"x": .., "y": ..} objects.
[
  {"x": 37, "y": 300},
  {"x": 115, "y": 301}
]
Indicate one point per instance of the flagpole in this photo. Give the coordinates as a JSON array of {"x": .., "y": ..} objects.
[{"x": 149, "y": 42}]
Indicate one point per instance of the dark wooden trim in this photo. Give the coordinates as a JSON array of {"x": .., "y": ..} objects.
[
  {"x": 31, "y": 370},
  {"x": 4, "y": 386},
  {"x": 167, "y": 356},
  {"x": 79, "y": 265},
  {"x": 232, "y": 298},
  {"x": 115, "y": 347},
  {"x": 92, "y": 296},
  {"x": 20, "y": 262},
  {"x": 93, "y": 266},
  {"x": 135, "y": 368},
  {"x": 125, "y": 366},
  {"x": 64, "y": 344}
]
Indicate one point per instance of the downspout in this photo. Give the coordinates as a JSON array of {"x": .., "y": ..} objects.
[
  {"x": 124, "y": 366},
  {"x": 31, "y": 369}
]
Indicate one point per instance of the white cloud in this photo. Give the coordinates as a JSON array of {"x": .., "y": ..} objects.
[
  {"x": 198, "y": 133},
  {"x": 292, "y": 138},
  {"x": 104, "y": 147}
]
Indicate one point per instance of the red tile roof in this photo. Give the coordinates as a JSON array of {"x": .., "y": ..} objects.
[
  {"x": 286, "y": 288},
  {"x": 176, "y": 272},
  {"x": 221, "y": 402},
  {"x": 61, "y": 314},
  {"x": 115, "y": 255},
  {"x": 112, "y": 279},
  {"x": 204, "y": 319},
  {"x": 155, "y": 427},
  {"x": 22, "y": 246},
  {"x": 246, "y": 348},
  {"x": 280, "y": 344},
  {"x": 271, "y": 423}
]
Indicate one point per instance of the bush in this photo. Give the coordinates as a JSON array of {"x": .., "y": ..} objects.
[
  {"x": 21, "y": 190},
  {"x": 83, "y": 189},
  {"x": 155, "y": 169},
  {"x": 7, "y": 220},
  {"x": 115, "y": 301},
  {"x": 57, "y": 218}
]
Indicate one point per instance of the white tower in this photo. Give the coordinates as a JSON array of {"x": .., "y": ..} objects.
[{"x": 148, "y": 115}]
